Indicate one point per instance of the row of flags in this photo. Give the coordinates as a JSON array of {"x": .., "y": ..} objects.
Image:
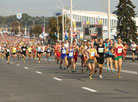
[{"x": 97, "y": 22}]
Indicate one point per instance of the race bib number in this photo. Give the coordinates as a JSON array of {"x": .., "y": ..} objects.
[
  {"x": 120, "y": 50},
  {"x": 70, "y": 54},
  {"x": 24, "y": 49},
  {"x": 64, "y": 51},
  {"x": 101, "y": 50},
  {"x": 133, "y": 49},
  {"x": 8, "y": 50},
  {"x": 48, "y": 50},
  {"x": 92, "y": 54}
]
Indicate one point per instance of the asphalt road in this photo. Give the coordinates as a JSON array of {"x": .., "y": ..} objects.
[{"x": 45, "y": 82}]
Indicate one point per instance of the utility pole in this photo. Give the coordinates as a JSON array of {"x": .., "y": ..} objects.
[
  {"x": 71, "y": 30},
  {"x": 57, "y": 29},
  {"x": 109, "y": 24},
  {"x": 25, "y": 28},
  {"x": 63, "y": 24}
]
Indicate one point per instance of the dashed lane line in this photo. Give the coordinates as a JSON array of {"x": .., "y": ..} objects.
[
  {"x": 38, "y": 72},
  {"x": 58, "y": 79},
  {"x": 26, "y": 68},
  {"x": 89, "y": 89}
]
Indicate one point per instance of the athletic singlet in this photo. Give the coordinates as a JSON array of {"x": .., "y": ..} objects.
[
  {"x": 119, "y": 50},
  {"x": 43, "y": 48},
  {"x": 92, "y": 53},
  {"x": 133, "y": 47},
  {"x": 107, "y": 48},
  {"x": 48, "y": 50},
  {"x": 7, "y": 50},
  {"x": 29, "y": 49},
  {"x": 110, "y": 48},
  {"x": 100, "y": 50},
  {"x": 38, "y": 49},
  {"x": 14, "y": 50},
  {"x": 63, "y": 51},
  {"x": 70, "y": 54}
]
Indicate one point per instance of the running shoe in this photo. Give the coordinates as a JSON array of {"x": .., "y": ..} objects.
[
  {"x": 100, "y": 76},
  {"x": 60, "y": 67},
  {"x": 108, "y": 69},
  {"x": 90, "y": 77},
  {"x": 119, "y": 77},
  {"x": 68, "y": 69}
]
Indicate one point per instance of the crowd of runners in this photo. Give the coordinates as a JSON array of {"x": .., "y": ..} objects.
[{"x": 94, "y": 54}]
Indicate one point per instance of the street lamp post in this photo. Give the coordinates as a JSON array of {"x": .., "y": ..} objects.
[
  {"x": 71, "y": 21},
  {"x": 62, "y": 24},
  {"x": 25, "y": 29},
  {"x": 63, "y": 29},
  {"x": 109, "y": 24},
  {"x": 57, "y": 29}
]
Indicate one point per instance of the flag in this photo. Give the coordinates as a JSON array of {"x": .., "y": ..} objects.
[
  {"x": 100, "y": 21},
  {"x": 56, "y": 34},
  {"x": 97, "y": 22},
  {"x": 88, "y": 22},
  {"x": 66, "y": 36}
]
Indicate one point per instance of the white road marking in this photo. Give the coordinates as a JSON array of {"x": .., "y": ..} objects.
[
  {"x": 25, "y": 67},
  {"x": 38, "y": 72},
  {"x": 88, "y": 89},
  {"x": 126, "y": 71},
  {"x": 129, "y": 72},
  {"x": 57, "y": 79}
]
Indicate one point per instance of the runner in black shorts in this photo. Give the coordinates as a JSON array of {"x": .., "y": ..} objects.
[
  {"x": 100, "y": 50},
  {"x": 24, "y": 49}
]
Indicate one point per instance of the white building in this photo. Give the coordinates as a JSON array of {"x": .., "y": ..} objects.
[{"x": 94, "y": 17}]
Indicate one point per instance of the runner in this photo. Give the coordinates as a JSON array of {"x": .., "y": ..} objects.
[
  {"x": 76, "y": 51},
  {"x": 92, "y": 52},
  {"x": 58, "y": 52},
  {"x": 24, "y": 49},
  {"x": 137, "y": 51},
  {"x": 2, "y": 52},
  {"x": 125, "y": 51},
  {"x": 107, "y": 54},
  {"x": 18, "y": 51},
  {"x": 111, "y": 56},
  {"x": 118, "y": 51},
  {"x": 29, "y": 51},
  {"x": 82, "y": 50},
  {"x": 48, "y": 50},
  {"x": 63, "y": 56},
  {"x": 101, "y": 49},
  {"x": 14, "y": 51},
  {"x": 70, "y": 53},
  {"x": 133, "y": 49},
  {"x": 39, "y": 52},
  {"x": 7, "y": 53}
]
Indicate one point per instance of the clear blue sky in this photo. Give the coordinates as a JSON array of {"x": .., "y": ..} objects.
[{"x": 47, "y": 7}]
